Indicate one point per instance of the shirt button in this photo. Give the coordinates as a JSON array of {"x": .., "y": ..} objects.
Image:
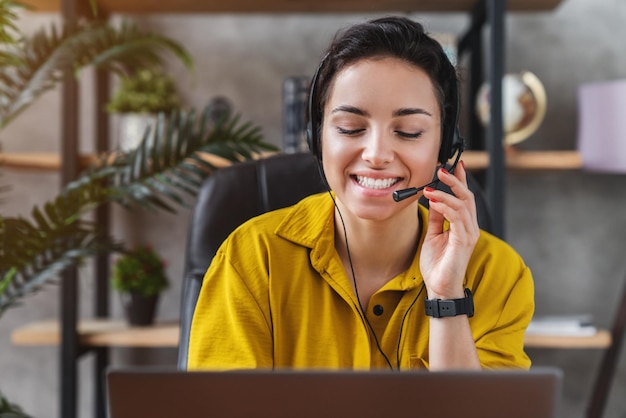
[{"x": 378, "y": 310}]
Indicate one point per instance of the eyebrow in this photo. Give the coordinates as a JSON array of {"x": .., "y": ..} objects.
[
  {"x": 411, "y": 111},
  {"x": 350, "y": 109},
  {"x": 400, "y": 112}
]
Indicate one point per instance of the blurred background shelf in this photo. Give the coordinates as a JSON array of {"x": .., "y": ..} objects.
[
  {"x": 100, "y": 333},
  {"x": 601, "y": 339},
  {"x": 39, "y": 161},
  {"x": 474, "y": 160},
  {"x": 42, "y": 161}
]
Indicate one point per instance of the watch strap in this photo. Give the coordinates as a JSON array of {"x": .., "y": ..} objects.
[{"x": 441, "y": 308}]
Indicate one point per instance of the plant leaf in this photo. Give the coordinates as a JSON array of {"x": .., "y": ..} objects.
[
  {"x": 47, "y": 55},
  {"x": 165, "y": 169}
]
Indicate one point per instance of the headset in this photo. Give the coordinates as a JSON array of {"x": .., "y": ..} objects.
[{"x": 451, "y": 141}]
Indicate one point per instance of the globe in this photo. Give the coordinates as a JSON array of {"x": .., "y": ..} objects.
[{"x": 523, "y": 105}]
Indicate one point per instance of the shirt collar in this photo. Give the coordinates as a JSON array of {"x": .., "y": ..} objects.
[{"x": 310, "y": 223}]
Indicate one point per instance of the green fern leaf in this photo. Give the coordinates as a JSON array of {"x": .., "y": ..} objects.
[
  {"x": 169, "y": 157},
  {"x": 48, "y": 54}
]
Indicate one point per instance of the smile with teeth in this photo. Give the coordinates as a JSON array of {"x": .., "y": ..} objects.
[{"x": 371, "y": 183}]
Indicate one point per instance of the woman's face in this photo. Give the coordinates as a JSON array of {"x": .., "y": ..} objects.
[{"x": 381, "y": 132}]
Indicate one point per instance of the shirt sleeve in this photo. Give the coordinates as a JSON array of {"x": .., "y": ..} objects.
[
  {"x": 231, "y": 327},
  {"x": 504, "y": 306}
]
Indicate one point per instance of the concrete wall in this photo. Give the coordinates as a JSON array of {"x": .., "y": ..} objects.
[{"x": 569, "y": 226}]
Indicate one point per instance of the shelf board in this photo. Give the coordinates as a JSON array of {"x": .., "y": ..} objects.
[
  {"x": 601, "y": 339},
  {"x": 39, "y": 161},
  {"x": 293, "y": 6},
  {"x": 526, "y": 160},
  {"x": 99, "y": 333},
  {"x": 42, "y": 161},
  {"x": 115, "y": 333},
  {"x": 474, "y": 160}
]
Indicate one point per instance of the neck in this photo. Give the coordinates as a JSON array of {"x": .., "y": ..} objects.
[{"x": 378, "y": 250}]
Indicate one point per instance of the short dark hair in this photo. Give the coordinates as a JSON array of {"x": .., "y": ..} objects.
[{"x": 396, "y": 37}]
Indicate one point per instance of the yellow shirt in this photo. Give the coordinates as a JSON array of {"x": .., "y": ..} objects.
[{"x": 277, "y": 296}]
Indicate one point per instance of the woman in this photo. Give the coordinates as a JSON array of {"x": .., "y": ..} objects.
[{"x": 351, "y": 278}]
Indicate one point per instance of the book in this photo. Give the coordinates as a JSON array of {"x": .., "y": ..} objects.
[{"x": 295, "y": 97}]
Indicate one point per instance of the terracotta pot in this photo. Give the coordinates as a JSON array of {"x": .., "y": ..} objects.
[{"x": 140, "y": 309}]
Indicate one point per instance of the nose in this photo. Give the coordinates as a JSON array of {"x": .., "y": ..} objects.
[{"x": 378, "y": 150}]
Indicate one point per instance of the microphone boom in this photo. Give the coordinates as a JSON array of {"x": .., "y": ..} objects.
[{"x": 399, "y": 195}]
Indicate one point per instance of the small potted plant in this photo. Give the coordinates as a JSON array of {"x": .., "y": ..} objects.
[
  {"x": 140, "y": 277},
  {"x": 138, "y": 100}
]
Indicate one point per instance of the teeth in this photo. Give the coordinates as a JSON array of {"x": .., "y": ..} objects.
[{"x": 371, "y": 183}]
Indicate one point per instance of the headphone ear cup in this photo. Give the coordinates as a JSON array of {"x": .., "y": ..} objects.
[
  {"x": 447, "y": 144},
  {"x": 313, "y": 133},
  {"x": 451, "y": 136},
  {"x": 457, "y": 142}
]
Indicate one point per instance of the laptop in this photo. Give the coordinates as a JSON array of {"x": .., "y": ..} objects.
[{"x": 156, "y": 393}]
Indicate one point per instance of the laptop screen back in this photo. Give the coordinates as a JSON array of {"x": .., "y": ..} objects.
[{"x": 158, "y": 393}]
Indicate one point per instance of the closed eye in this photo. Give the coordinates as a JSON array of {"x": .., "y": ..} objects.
[
  {"x": 409, "y": 135},
  {"x": 349, "y": 132}
]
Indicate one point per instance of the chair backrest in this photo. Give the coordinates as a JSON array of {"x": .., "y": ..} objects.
[{"x": 237, "y": 193}]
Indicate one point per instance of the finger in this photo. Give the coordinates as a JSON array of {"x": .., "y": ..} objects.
[
  {"x": 459, "y": 211},
  {"x": 461, "y": 218},
  {"x": 435, "y": 218},
  {"x": 458, "y": 184},
  {"x": 457, "y": 181},
  {"x": 448, "y": 208}
]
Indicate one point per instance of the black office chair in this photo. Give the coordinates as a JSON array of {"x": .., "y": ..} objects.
[{"x": 237, "y": 193}]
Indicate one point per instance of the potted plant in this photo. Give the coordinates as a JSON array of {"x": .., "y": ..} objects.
[
  {"x": 161, "y": 174},
  {"x": 54, "y": 236},
  {"x": 140, "y": 277},
  {"x": 138, "y": 100}
]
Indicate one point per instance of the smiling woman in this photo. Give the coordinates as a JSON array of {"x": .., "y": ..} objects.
[
  {"x": 386, "y": 134},
  {"x": 351, "y": 278}
]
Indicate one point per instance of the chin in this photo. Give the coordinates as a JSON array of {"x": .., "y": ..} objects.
[{"x": 375, "y": 209}]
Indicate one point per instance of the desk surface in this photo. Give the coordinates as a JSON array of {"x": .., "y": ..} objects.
[{"x": 116, "y": 333}]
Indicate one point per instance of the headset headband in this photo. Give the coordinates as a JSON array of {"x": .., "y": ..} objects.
[{"x": 451, "y": 140}]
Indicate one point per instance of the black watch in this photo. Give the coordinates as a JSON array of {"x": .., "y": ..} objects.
[{"x": 440, "y": 308}]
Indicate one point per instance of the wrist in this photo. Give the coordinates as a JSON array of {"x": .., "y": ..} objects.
[
  {"x": 455, "y": 293},
  {"x": 440, "y": 308}
]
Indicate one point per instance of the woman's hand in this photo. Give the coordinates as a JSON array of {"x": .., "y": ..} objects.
[{"x": 446, "y": 253}]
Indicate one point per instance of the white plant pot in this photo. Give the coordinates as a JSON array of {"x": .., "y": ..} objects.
[{"x": 131, "y": 128}]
